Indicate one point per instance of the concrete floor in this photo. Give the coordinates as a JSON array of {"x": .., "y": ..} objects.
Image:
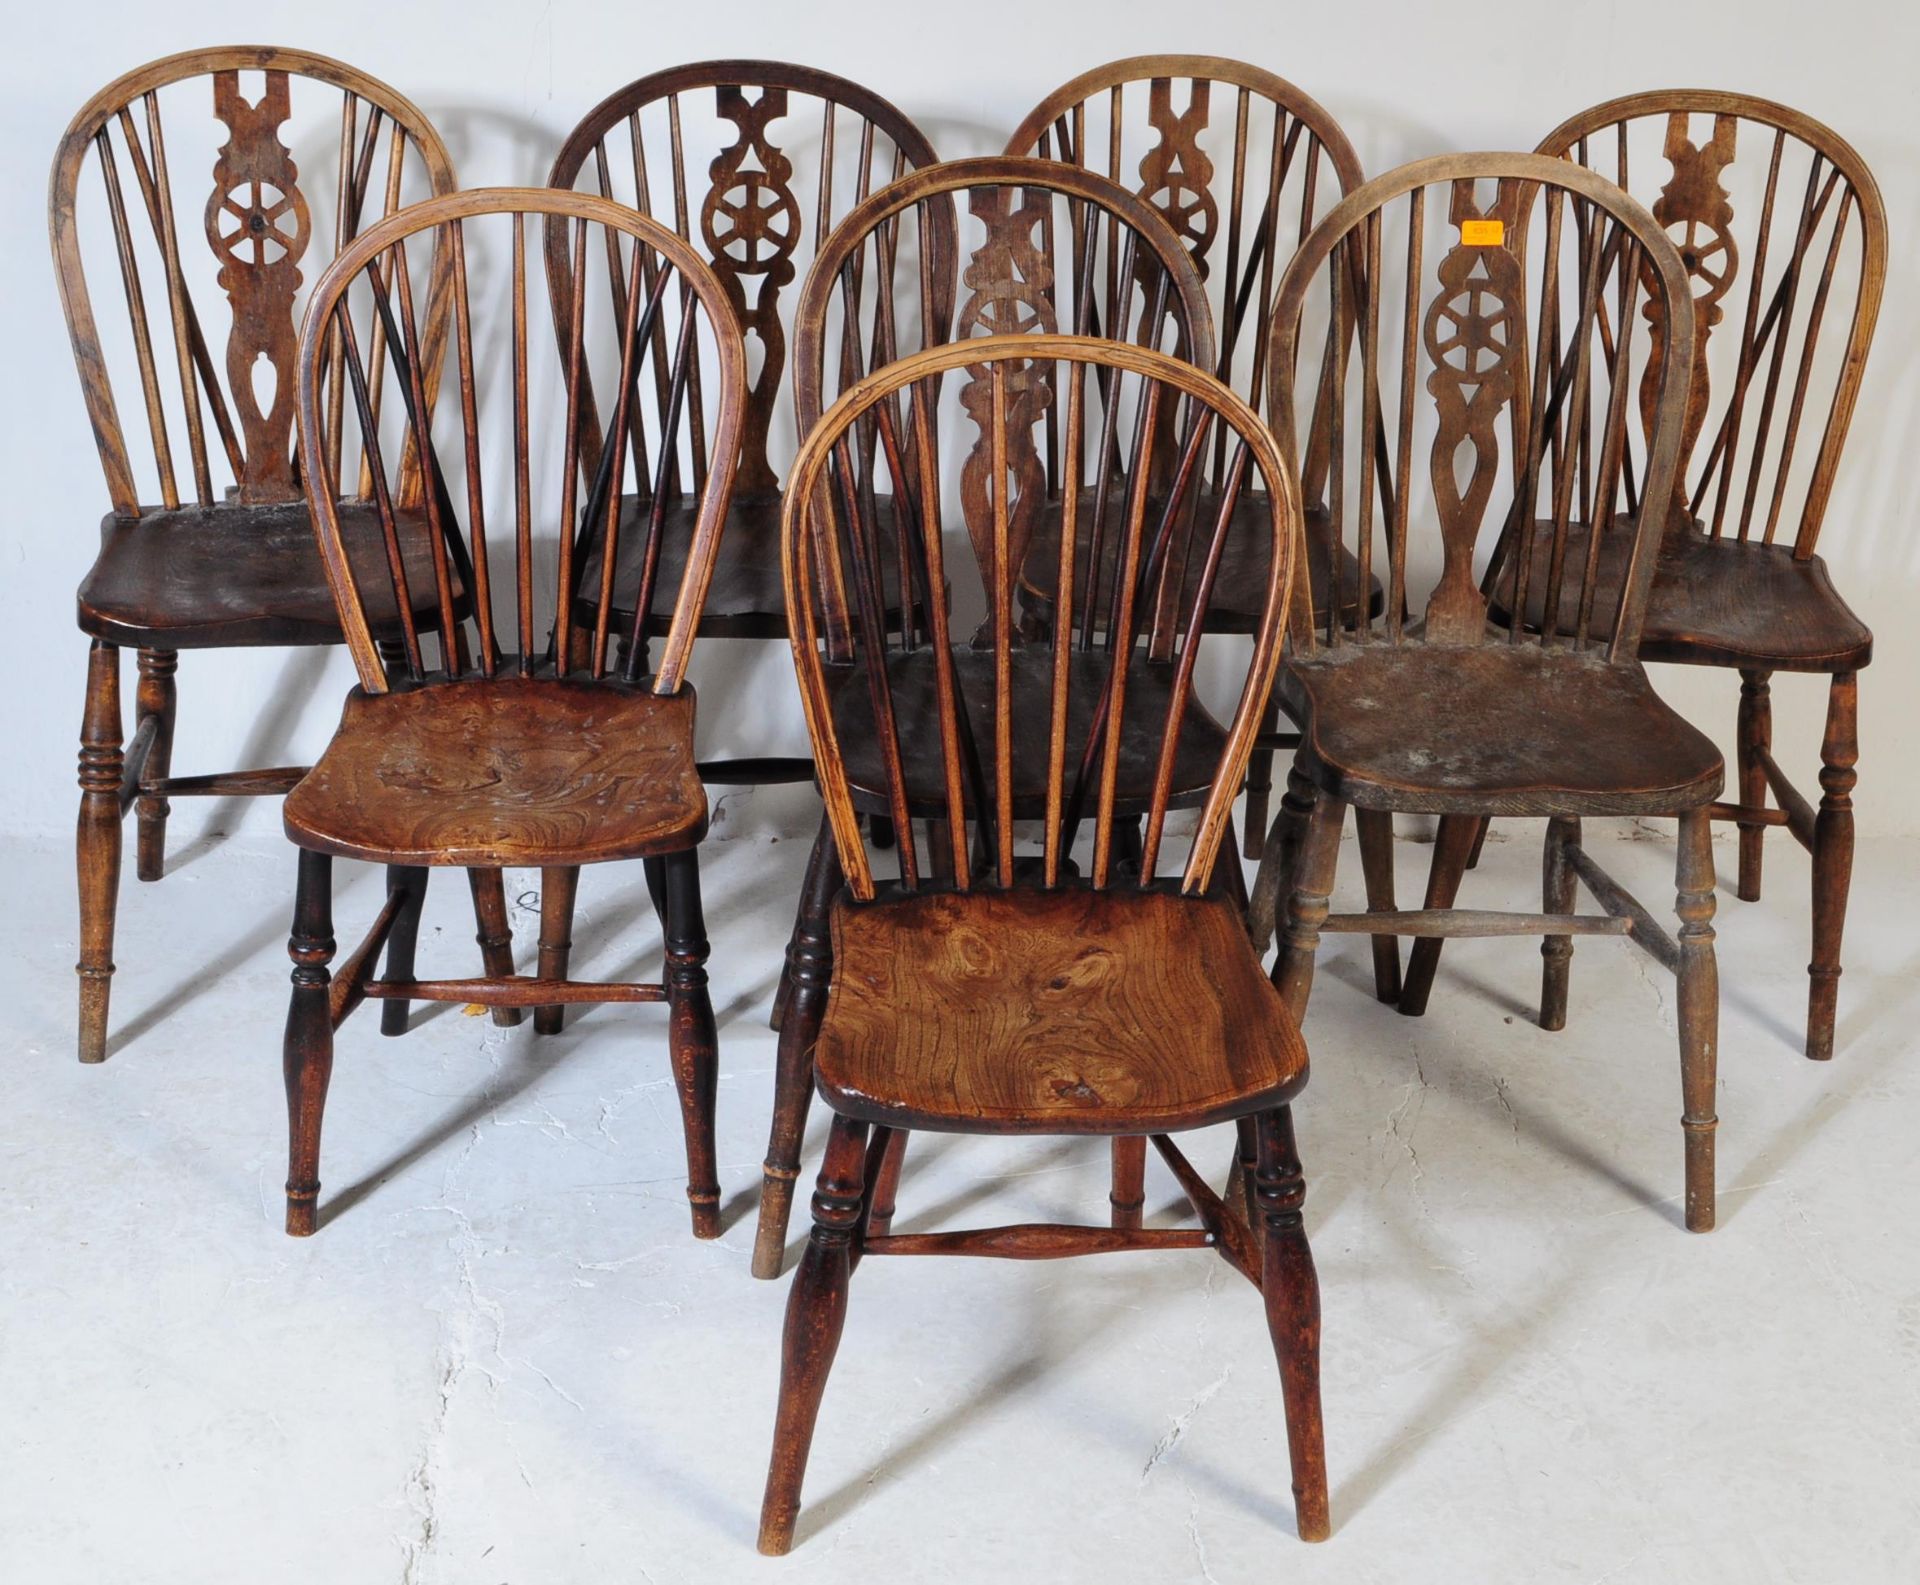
[{"x": 503, "y": 1359}]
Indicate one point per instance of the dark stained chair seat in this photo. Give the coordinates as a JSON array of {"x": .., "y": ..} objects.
[
  {"x": 229, "y": 575},
  {"x": 747, "y": 597},
  {"x": 1715, "y": 602},
  {"x": 1239, "y": 587},
  {"x": 1062, "y": 1012},
  {"x": 512, "y": 771},
  {"x": 1495, "y": 728},
  {"x": 912, "y": 678}
]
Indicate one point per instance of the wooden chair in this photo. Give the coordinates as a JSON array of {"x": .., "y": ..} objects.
[
  {"x": 231, "y": 563},
  {"x": 1449, "y": 714},
  {"x": 1241, "y": 164},
  {"x": 485, "y": 743},
  {"x": 1057, "y": 992},
  {"x": 1728, "y": 591},
  {"x": 1046, "y": 246}
]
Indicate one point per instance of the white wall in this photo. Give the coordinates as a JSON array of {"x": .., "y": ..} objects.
[{"x": 504, "y": 81}]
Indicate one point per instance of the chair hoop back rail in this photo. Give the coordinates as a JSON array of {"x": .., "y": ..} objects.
[
  {"x": 1240, "y": 206},
  {"x": 206, "y": 544},
  {"x": 993, "y": 993},
  {"x": 1438, "y": 709},
  {"x": 492, "y": 735}
]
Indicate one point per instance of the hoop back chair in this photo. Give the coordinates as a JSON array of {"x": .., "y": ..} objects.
[
  {"x": 207, "y": 544},
  {"x": 1062, "y": 991},
  {"x": 1241, "y": 163},
  {"x": 1784, "y": 237},
  {"x": 1444, "y": 712},
  {"x": 1045, "y": 247},
  {"x": 493, "y": 737},
  {"x": 781, "y": 130}
]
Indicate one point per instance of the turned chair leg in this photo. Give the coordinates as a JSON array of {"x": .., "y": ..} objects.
[
  {"x": 495, "y": 935},
  {"x": 559, "y": 885},
  {"x": 810, "y": 964},
  {"x": 307, "y": 1059},
  {"x": 884, "y": 1186},
  {"x": 1699, "y": 1012},
  {"x": 1292, "y": 1293},
  {"x": 1832, "y": 860},
  {"x": 692, "y": 1041},
  {"x": 1243, "y": 1194},
  {"x": 1274, "y": 879},
  {"x": 1260, "y": 785},
  {"x": 1479, "y": 843},
  {"x": 1452, "y": 845},
  {"x": 1374, "y": 827},
  {"x": 1128, "y": 1196},
  {"x": 402, "y": 939},
  {"x": 1753, "y": 737},
  {"x": 1559, "y": 891},
  {"x": 783, "y": 987},
  {"x": 1307, "y": 907},
  {"x": 154, "y": 697},
  {"x": 97, "y": 844},
  {"x": 816, "y": 1313}
]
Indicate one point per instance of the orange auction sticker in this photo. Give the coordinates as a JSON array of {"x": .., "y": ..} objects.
[{"x": 1483, "y": 233}]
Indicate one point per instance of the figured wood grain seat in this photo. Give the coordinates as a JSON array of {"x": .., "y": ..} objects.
[
  {"x": 507, "y": 771},
  {"x": 1717, "y": 601},
  {"x": 1237, "y": 593},
  {"x": 1520, "y": 729},
  {"x": 746, "y": 599},
  {"x": 231, "y": 575},
  {"x": 916, "y": 714},
  {"x": 1071, "y": 1011}
]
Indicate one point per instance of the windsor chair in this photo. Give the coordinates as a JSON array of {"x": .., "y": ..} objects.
[
  {"x": 775, "y": 130},
  {"x": 1061, "y": 991},
  {"x": 493, "y": 740},
  {"x": 1727, "y": 591},
  {"x": 1047, "y": 245},
  {"x": 230, "y": 563},
  {"x": 1247, "y": 158},
  {"x": 1447, "y": 713}
]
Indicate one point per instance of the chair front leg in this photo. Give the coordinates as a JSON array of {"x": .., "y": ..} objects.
[
  {"x": 810, "y": 967},
  {"x": 691, "y": 1038},
  {"x": 1753, "y": 737},
  {"x": 154, "y": 697},
  {"x": 1292, "y": 1293},
  {"x": 1559, "y": 890},
  {"x": 307, "y": 1058},
  {"x": 494, "y": 933},
  {"x": 97, "y": 844},
  {"x": 1273, "y": 881},
  {"x": 1452, "y": 847},
  {"x": 559, "y": 886},
  {"x": 816, "y": 1313},
  {"x": 1307, "y": 907},
  {"x": 402, "y": 939},
  {"x": 1699, "y": 1012},
  {"x": 1832, "y": 860}
]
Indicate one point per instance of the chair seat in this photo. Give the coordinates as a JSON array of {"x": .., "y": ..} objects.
[
  {"x": 1715, "y": 602},
  {"x": 912, "y": 678},
  {"x": 1059, "y": 1012},
  {"x": 229, "y": 575},
  {"x": 516, "y": 771},
  {"x": 1495, "y": 728},
  {"x": 1239, "y": 590},
  {"x": 747, "y": 597}
]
